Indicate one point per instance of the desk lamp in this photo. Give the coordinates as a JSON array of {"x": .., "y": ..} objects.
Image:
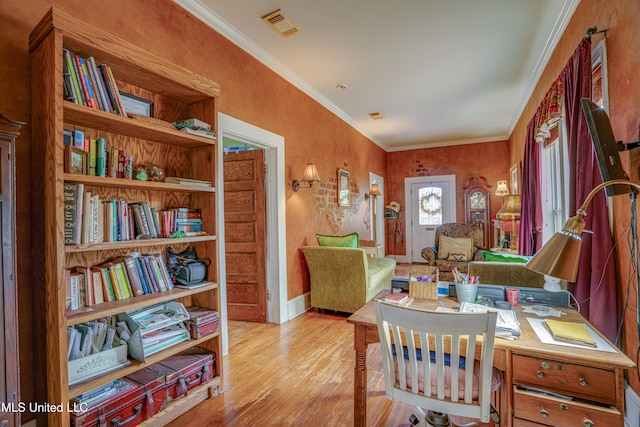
[{"x": 560, "y": 256}]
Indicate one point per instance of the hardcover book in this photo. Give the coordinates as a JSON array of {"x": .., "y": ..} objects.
[{"x": 575, "y": 333}]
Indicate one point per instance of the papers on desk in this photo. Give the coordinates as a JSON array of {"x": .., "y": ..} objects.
[
  {"x": 545, "y": 336},
  {"x": 507, "y": 325}
]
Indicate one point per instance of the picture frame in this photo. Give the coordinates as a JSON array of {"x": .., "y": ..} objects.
[
  {"x": 136, "y": 105},
  {"x": 76, "y": 160},
  {"x": 343, "y": 187},
  {"x": 514, "y": 173}
]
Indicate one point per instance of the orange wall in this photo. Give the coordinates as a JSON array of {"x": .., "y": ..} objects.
[
  {"x": 620, "y": 19},
  {"x": 488, "y": 159}
]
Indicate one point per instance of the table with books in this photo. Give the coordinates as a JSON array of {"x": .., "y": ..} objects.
[{"x": 545, "y": 382}]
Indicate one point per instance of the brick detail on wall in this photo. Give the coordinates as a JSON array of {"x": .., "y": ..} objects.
[{"x": 325, "y": 195}]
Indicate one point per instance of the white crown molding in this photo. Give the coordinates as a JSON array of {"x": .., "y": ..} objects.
[
  {"x": 568, "y": 8},
  {"x": 210, "y": 18}
]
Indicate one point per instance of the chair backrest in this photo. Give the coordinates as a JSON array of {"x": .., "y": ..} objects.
[{"x": 448, "y": 342}]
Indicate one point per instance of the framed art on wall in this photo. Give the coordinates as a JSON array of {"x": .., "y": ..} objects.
[
  {"x": 343, "y": 187},
  {"x": 514, "y": 173}
]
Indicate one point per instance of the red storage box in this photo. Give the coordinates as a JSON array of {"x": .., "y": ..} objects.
[
  {"x": 124, "y": 408},
  {"x": 154, "y": 387},
  {"x": 185, "y": 371},
  {"x": 202, "y": 321}
]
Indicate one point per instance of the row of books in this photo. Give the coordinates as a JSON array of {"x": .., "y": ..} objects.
[
  {"x": 89, "y": 84},
  {"x": 91, "y": 337},
  {"x": 121, "y": 278},
  {"x": 103, "y": 161},
  {"x": 90, "y": 220}
]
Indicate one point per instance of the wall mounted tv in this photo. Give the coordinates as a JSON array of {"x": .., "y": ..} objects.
[{"x": 605, "y": 146}]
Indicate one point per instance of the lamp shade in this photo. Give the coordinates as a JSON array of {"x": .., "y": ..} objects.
[
  {"x": 510, "y": 207},
  {"x": 375, "y": 190},
  {"x": 502, "y": 189},
  {"x": 311, "y": 173},
  {"x": 560, "y": 256}
]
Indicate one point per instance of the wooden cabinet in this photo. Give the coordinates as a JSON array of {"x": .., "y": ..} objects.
[
  {"x": 552, "y": 392},
  {"x": 9, "y": 362},
  {"x": 177, "y": 93},
  {"x": 477, "y": 205}
]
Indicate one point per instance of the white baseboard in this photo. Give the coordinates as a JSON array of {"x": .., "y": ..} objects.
[
  {"x": 632, "y": 406},
  {"x": 298, "y": 305}
]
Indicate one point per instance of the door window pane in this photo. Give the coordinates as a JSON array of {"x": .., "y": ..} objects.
[{"x": 430, "y": 206}]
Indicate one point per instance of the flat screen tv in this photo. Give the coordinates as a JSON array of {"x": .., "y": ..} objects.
[{"x": 605, "y": 146}]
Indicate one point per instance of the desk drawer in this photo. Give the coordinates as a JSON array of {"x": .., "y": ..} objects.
[
  {"x": 553, "y": 411},
  {"x": 517, "y": 422},
  {"x": 566, "y": 378}
]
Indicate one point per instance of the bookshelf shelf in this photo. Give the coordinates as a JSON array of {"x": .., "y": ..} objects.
[
  {"x": 100, "y": 120},
  {"x": 100, "y": 181},
  {"x": 136, "y": 366},
  {"x": 177, "y": 94},
  {"x": 119, "y": 306},
  {"x": 130, "y": 244}
]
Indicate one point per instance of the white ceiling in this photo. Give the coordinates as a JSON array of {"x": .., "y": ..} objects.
[{"x": 442, "y": 72}]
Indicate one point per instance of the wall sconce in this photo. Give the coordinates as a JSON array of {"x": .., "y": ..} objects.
[
  {"x": 502, "y": 189},
  {"x": 310, "y": 176},
  {"x": 373, "y": 192}
]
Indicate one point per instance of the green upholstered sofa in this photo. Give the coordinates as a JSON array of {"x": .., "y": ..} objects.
[
  {"x": 505, "y": 274},
  {"x": 345, "y": 279}
]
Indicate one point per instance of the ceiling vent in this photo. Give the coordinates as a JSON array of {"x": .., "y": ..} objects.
[
  {"x": 376, "y": 115},
  {"x": 280, "y": 22}
]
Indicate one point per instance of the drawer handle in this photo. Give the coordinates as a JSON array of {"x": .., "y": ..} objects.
[
  {"x": 588, "y": 423},
  {"x": 583, "y": 382},
  {"x": 545, "y": 365},
  {"x": 540, "y": 374},
  {"x": 564, "y": 407},
  {"x": 544, "y": 414}
]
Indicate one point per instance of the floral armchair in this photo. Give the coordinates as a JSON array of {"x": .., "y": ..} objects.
[{"x": 456, "y": 244}]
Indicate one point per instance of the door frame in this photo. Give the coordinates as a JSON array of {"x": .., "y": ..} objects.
[
  {"x": 379, "y": 201},
  {"x": 276, "y": 242},
  {"x": 408, "y": 209}
]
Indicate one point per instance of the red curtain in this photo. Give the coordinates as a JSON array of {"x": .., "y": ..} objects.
[{"x": 595, "y": 288}]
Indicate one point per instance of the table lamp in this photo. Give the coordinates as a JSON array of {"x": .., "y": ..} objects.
[{"x": 560, "y": 256}]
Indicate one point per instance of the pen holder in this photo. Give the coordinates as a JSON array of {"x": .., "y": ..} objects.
[{"x": 466, "y": 292}]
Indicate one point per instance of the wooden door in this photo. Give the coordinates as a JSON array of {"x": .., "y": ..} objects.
[{"x": 245, "y": 235}]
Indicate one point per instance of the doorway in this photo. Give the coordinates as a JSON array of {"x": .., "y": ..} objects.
[
  {"x": 276, "y": 272},
  {"x": 431, "y": 201}
]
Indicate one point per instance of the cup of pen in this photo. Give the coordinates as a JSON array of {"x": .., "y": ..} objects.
[{"x": 466, "y": 292}]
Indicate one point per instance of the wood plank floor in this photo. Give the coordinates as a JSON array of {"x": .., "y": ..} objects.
[{"x": 299, "y": 373}]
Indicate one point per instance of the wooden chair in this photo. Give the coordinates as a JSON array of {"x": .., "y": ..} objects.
[{"x": 450, "y": 341}]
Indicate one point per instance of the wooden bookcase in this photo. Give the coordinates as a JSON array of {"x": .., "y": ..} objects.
[{"x": 177, "y": 93}]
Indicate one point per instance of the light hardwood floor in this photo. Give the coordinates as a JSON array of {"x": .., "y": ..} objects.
[{"x": 296, "y": 374}]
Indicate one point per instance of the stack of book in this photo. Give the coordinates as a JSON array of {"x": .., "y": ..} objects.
[
  {"x": 121, "y": 278},
  {"x": 86, "y": 83},
  {"x": 195, "y": 127}
]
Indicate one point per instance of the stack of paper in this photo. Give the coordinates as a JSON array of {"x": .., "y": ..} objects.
[{"x": 574, "y": 333}]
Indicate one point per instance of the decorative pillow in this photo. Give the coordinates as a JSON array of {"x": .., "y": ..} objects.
[
  {"x": 347, "y": 241},
  {"x": 454, "y": 245},
  {"x": 491, "y": 256},
  {"x": 458, "y": 257}
]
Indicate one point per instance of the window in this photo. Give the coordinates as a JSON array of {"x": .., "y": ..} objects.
[
  {"x": 555, "y": 166},
  {"x": 430, "y": 209}
]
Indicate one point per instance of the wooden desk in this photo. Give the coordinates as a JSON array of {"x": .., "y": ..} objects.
[{"x": 593, "y": 378}]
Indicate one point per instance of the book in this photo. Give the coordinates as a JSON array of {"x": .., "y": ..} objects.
[
  {"x": 105, "y": 282},
  {"x": 185, "y": 181},
  {"x": 200, "y": 132},
  {"x": 134, "y": 277},
  {"x": 101, "y": 157},
  {"x": 78, "y": 139},
  {"x": 69, "y": 63},
  {"x": 575, "y": 333},
  {"x": 82, "y": 81},
  {"x": 112, "y": 91},
  {"x": 144, "y": 274},
  {"x": 192, "y": 123},
  {"x": 70, "y": 194},
  {"x": 396, "y": 298},
  {"x": 115, "y": 283},
  {"x": 123, "y": 280},
  {"x": 150, "y": 275},
  {"x": 87, "y": 219},
  {"x": 155, "y": 267}
]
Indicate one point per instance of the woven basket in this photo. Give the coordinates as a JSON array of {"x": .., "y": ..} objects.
[{"x": 423, "y": 290}]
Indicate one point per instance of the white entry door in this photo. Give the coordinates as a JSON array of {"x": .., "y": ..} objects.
[{"x": 432, "y": 203}]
